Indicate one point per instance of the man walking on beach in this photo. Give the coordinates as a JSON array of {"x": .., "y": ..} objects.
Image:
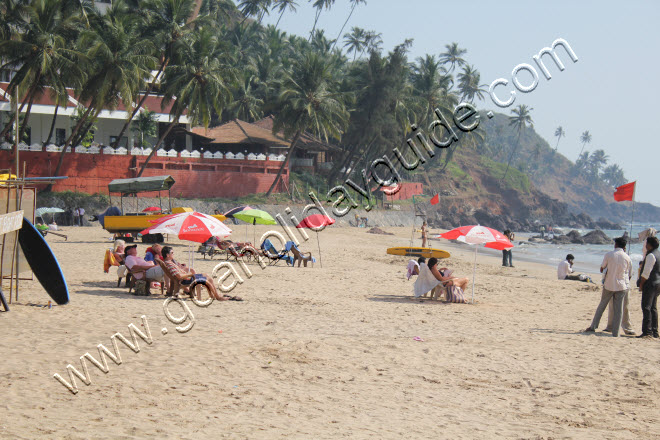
[
  {"x": 616, "y": 285},
  {"x": 507, "y": 256},
  {"x": 650, "y": 287}
]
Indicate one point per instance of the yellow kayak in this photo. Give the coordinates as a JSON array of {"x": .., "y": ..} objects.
[{"x": 418, "y": 252}]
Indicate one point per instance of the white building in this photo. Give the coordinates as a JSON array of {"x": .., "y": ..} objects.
[{"x": 109, "y": 123}]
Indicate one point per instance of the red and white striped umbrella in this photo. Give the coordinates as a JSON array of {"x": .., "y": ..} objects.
[
  {"x": 478, "y": 235},
  {"x": 191, "y": 226}
]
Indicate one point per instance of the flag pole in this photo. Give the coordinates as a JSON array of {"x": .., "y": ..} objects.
[
  {"x": 474, "y": 270},
  {"x": 632, "y": 217}
]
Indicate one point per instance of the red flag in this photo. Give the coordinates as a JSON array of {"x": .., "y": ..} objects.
[
  {"x": 435, "y": 200},
  {"x": 625, "y": 192}
]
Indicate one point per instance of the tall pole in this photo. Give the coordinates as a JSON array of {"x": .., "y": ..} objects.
[
  {"x": 474, "y": 270},
  {"x": 632, "y": 217},
  {"x": 16, "y": 133}
]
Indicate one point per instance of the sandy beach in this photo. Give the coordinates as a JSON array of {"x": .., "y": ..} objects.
[{"x": 328, "y": 353}]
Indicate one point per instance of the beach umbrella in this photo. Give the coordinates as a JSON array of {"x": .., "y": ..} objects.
[
  {"x": 316, "y": 222},
  {"x": 52, "y": 211},
  {"x": 152, "y": 209},
  {"x": 231, "y": 212},
  {"x": 478, "y": 235},
  {"x": 190, "y": 226},
  {"x": 255, "y": 217}
]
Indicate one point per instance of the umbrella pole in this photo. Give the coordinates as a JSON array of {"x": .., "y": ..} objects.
[
  {"x": 318, "y": 243},
  {"x": 474, "y": 270}
]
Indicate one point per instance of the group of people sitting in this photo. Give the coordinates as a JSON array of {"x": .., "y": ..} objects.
[
  {"x": 150, "y": 270},
  {"x": 436, "y": 281}
]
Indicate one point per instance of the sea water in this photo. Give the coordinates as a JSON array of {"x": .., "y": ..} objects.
[{"x": 588, "y": 257}]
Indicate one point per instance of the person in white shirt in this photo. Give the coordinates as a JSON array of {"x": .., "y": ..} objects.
[
  {"x": 650, "y": 287},
  {"x": 141, "y": 268},
  {"x": 616, "y": 285},
  {"x": 565, "y": 271}
]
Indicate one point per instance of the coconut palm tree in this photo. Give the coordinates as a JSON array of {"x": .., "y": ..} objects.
[
  {"x": 43, "y": 50},
  {"x": 453, "y": 56},
  {"x": 254, "y": 8},
  {"x": 246, "y": 105},
  {"x": 118, "y": 60},
  {"x": 282, "y": 6},
  {"x": 354, "y": 4},
  {"x": 196, "y": 83},
  {"x": 319, "y": 5},
  {"x": 519, "y": 121},
  {"x": 597, "y": 160},
  {"x": 145, "y": 125},
  {"x": 372, "y": 41},
  {"x": 559, "y": 133},
  {"x": 167, "y": 22},
  {"x": 355, "y": 41},
  {"x": 613, "y": 175},
  {"x": 468, "y": 84},
  {"x": 585, "y": 138},
  {"x": 309, "y": 101}
]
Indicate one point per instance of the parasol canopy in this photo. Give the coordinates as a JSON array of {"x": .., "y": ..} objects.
[
  {"x": 316, "y": 222},
  {"x": 152, "y": 209},
  {"x": 231, "y": 212},
  {"x": 191, "y": 226},
  {"x": 478, "y": 235}
]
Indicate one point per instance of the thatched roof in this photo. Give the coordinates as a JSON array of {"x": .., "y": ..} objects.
[
  {"x": 307, "y": 141},
  {"x": 240, "y": 132}
]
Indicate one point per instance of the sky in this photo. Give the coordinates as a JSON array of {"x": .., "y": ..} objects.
[{"x": 611, "y": 90}]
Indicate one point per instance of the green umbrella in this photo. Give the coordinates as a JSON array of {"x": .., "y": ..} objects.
[{"x": 256, "y": 217}]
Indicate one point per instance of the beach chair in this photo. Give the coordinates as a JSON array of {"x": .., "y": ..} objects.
[
  {"x": 274, "y": 256},
  {"x": 299, "y": 256},
  {"x": 178, "y": 282},
  {"x": 131, "y": 281}
]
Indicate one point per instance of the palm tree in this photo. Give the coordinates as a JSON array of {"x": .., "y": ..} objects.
[
  {"x": 372, "y": 41},
  {"x": 585, "y": 138},
  {"x": 613, "y": 174},
  {"x": 254, "y": 8},
  {"x": 453, "y": 56},
  {"x": 559, "y": 133},
  {"x": 319, "y": 5},
  {"x": 167, "y": 22},
  {"x": 355, "y": 41},
  {"x": 246, "y": 105},
  {"x": 282, "y": 6},
  {"x": 198, "y": 83},
  {"x": 597, "y": 160},
  {"x": 145, "y": 124},
  {"x": 519, "y": 121},
  {"x": 309, "y": 101},
  {"x": 431, "y": 84},
  {"x": 41, "y": 53},
  {"x": 118, "y": 60},
  {"x": 468, "y": 84},
  {"x": 354, "y": 4}
]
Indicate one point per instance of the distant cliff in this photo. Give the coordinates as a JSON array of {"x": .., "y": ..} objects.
[{"x": 541, "y": 186}]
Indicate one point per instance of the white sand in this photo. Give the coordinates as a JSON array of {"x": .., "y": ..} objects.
[{"x": 329, "y": 353}]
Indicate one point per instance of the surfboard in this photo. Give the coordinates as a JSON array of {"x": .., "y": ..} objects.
[
  {"x": 43, "y": 263},
  {"x": 418, "y": 252}
]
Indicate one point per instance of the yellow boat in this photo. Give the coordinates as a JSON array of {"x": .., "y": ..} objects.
[
  {"x": 418, "y": 252},
  {"x": 133, "y": 223}
]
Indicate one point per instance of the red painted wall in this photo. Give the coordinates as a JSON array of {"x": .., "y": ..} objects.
[
  {"x": 195, "y": 178},
  {"x": 408, "y": 189}
]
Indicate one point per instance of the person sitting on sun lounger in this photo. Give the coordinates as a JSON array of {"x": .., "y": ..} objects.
[{"x": 180, "y": 271}]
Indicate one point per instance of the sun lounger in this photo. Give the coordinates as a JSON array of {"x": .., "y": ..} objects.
[
  {"x": 271, "y": 253},
  {"x": 178, "y": 282}
]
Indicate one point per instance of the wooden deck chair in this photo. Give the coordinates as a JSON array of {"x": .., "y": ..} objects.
[
  {"x": 301, "y": 257},
  {"x": 178, "y": 282},
  {"x": 131, "y": 280}
]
